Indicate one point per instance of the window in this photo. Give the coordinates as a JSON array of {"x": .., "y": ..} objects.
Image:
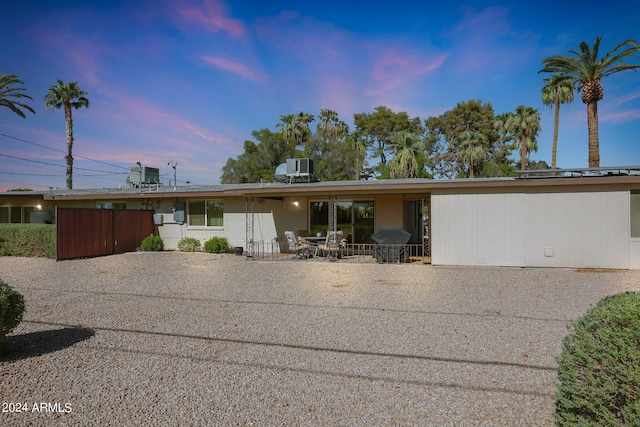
[
  {"x": 206, "y": 213},
  {"x": 111, "y": 205},
  {"x": 10, "y": 214},
  {"x": 635, "y": 213}
]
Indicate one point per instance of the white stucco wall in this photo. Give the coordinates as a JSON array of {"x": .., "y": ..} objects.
[
  {"x": 477, "y": 229},
  {"x": 587, "y": 229},
  {"x": 581, "y": 229}
]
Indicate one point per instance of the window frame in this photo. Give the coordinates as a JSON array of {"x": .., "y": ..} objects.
[{"x": 206, "y": 214}]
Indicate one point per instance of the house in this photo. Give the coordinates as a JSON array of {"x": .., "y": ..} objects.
[{"x": 580, "y": 218}]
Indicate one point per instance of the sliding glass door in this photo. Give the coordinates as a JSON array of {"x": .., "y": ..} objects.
[{"x": 355, "y": 218}]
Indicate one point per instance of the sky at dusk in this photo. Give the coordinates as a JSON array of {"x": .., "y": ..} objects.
[{"x": 187, "y": 81}]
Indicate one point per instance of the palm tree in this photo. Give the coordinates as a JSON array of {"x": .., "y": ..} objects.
[
  {"x": 67, "y": 96},
  {"x": 587, "y": 70},
  {"x": 472, "y": 149},
  {"x": 405, "y": 153},
  {"x": 301, "y": 123},
  {"x": 524, "y": 125},
  {"x": 327, "y": 125},
  {"x": 9, "y": 95},
  {"x": 286, "y": 126},
  {"x": 558, "y": 89}
]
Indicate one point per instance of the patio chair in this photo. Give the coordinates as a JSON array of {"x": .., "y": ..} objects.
[
  {"x": 301, "y": 249},
  {"x": 334, "y": 244}
]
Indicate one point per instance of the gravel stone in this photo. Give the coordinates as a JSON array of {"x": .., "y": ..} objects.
[{"x": 196, "y": 339}]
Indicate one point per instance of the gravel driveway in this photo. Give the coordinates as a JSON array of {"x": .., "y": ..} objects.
[{"x": 198, "y": 339}]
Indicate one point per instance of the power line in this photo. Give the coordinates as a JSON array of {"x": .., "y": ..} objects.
[
  {"x": 60, "y": 166},
  {"x": 60, "y": 151}
]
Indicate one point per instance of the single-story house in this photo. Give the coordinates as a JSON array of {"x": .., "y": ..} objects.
[{"x": 575, "y": 219}]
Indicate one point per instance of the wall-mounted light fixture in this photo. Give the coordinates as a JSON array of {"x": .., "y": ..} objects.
[
  {"x": 38, "y": 207},
  {"x": 296, "y": 202}
]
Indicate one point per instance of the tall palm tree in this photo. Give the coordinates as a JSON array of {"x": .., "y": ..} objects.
[
  {"x": 9, "y": 95},
  {"x": 587, "y": 70},
  {"x": 558, "y": 89},
  {"x": 473, "y": 149},
  {"x": 67, "y": 96},
  {"x": 524, "y": 125},
  {"x": 405, "y": 153}
]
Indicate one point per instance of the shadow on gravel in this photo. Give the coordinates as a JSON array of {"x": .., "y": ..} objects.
[{"x": 38, "y": 343}]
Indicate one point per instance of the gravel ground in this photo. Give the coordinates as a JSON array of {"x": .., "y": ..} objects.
[{"x": 198, "y": 339}]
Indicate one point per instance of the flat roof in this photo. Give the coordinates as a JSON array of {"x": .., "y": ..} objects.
[{"x": 528, "y": 179}]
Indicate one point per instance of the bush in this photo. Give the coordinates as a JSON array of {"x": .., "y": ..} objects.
[
  {"x": 599, "y": 368},
  {"x": 152, "y": 243},
  {"x": 189, "y": 244},
  {"x": 11, "y": 309},
  {"x": 217, "y": 245},
  {"x": 28, "y": 240}
]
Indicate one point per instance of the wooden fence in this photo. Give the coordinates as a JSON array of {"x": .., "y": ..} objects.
[{"x": 85, "y": 233}]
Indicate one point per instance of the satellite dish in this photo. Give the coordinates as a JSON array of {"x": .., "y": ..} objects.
[{"x": 281, "y": 172}]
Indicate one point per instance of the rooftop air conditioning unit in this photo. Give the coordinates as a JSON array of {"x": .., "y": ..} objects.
[
  {"x": 300, "y": 168},
  {"x": 143, "y": 176}
]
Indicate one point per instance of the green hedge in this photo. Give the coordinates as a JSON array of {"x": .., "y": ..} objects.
[
  {"x": 217, "y": 245},
  {"x": 152, "y": 243},
  {"x": 11, "y": 309},
  {"x": 189, "y": 244},
  {"x": 599, "y": 368},
  {"x": 28, "y": 240}
]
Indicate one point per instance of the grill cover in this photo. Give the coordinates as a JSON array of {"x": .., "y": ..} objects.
[{"x": 390, "y": 244}]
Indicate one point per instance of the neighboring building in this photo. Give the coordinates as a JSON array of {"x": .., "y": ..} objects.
[{"x": 569, "y": 221}]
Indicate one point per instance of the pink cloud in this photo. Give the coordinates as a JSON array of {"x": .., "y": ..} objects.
[
  {"x": 396, "y": 68},
  {"x": 79, "y": 53},
  {"x": 212, "y": 15},
  {"x": 235, "y": 67}
]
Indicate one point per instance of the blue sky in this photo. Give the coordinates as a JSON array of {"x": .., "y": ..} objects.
[{"x": 187, "y": 81}]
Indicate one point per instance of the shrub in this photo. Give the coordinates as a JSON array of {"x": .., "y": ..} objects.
[
  {"x": 189, "y": 244},
  {"x": 11, "y": 309},
  {"x": 28, "y": 240},
  {"x": 217, "y": 245},
  {"x": 599, "y": 367},
  {"x": 152, "y": 243}
]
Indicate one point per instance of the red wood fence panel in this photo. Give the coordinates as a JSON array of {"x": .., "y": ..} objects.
[{"x": 94, "y": 232}]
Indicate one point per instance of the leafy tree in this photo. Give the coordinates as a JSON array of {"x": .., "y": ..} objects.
[
  {"x": 558, "y": 89},
  {"x": 446, "y": 132},
  {"x": 259, "y": 161},
  {"x": 10, "y": 95},
  {"x": 473, "y": 149},
  {"x": 524, "y": 125},
  {"x": 378, "y": 129},
  {"x": 587, "y": 69},
  {"x": 67, "y": 96},
  {"x": 358, "y": 146}
]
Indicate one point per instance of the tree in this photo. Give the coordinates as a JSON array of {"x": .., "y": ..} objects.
[
  {"x": 404, "y": 163},
  {"x": 587, "y": 70},
  {"x": 67, "y": 96},
  {"x": 259, "y": 161},
  {"x": 473, "y": 149},
  {"x": 524, "y": 125},
  {"x": 558, "y": 89},
  {"x": 379, "y": 128},
  {"x": 445, "y": 134},
  {"x": 10, "y": 96}
]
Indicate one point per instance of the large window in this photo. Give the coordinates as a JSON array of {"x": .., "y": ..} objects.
[
  {"x": 635, "y": 213},
  {"x": 111, "y": 205},
  {"x": 355, "y": 218},
  {"x": 206, "y": 213},
  {"x": 11, "y": 214}
]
